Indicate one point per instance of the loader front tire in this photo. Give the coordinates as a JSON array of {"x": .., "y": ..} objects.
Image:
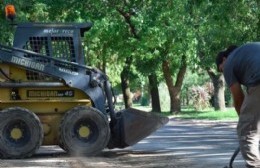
[
  {"x": 84, "y": 131},
  {"x": 21, "y": 133}
]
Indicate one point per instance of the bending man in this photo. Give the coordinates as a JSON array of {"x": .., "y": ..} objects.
[{"x": 241, "y": 67}]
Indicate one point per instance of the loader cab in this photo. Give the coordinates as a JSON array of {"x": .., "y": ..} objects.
[{"x": 62, "y": 41}]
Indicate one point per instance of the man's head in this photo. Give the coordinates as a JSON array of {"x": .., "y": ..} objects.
[{"x": 222, "y": 56}]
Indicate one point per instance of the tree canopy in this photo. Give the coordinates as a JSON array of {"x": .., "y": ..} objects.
[{"x": 159, "y": 38}]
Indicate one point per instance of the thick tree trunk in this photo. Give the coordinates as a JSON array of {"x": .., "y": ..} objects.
[
  {"x": 174, "y": 90},
  {"x": 126, "y": 90},
  {"x": 125, "y": 83},
  {"x": 219, "y": 93},
  {"x": 219, "y": 90},
  {"x": 154, "y": 93}
]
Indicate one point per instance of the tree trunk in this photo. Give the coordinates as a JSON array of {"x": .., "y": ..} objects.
[
  {"x": 174, "y": 90},
  {"x": 219, "y": 93},
  {"x": 154, "y": 93},
  {"x": 125, "y": 83},
  {"x": 125, "y": 73},
  {"x": 219, "y": 90},
  {"x": 187, "y": 100}
]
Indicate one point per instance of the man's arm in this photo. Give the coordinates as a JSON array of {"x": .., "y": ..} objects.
[{"x": 238, "y": 96}]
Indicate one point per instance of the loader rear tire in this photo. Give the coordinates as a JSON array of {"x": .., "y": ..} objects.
[
  {"x": 84, "y": 131},
  {"x": 21, "y": 133}
]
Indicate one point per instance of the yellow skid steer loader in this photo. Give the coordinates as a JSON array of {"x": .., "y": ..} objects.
[{"x": 49, "y": 97}]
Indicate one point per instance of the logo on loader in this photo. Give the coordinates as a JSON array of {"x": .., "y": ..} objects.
[
  {"x": 58, "y": 31},
  {"x": 27, "y": 63},
  {"x": 50, "y": 93}
]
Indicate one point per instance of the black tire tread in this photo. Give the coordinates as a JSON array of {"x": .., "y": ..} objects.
[
  {"x": 62, "y": 124},
  {"x": 30, "y": 116}
]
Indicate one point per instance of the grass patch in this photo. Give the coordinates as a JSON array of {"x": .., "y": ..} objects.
[
  {"x": 209, "y": 114},
  {"x": 191, "y": 113}
]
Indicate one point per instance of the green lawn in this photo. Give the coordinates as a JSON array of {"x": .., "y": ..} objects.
[
  {"x": 209, "y": 114},
  {"x": 191, "y": 113}
]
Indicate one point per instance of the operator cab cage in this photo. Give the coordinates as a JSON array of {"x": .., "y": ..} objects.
[{"x": 61, "y": 41}]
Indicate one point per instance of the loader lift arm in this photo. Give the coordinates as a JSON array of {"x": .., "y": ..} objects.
[{"x": 87, "y": 79}]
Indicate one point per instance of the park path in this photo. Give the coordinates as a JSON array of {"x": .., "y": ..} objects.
[{"x": 179, "y": 144}]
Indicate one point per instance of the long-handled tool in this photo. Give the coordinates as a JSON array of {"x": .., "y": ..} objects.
[{"x": 233, "y": 158}]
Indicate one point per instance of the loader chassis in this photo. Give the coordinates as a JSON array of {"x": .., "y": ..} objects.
[
  {"x": 49, "y": 97},
  {"x": 32, "y": 81}
]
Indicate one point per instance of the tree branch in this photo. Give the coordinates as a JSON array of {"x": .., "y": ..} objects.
[
  {"x": 181, "y": 73},
  {"x": 127, "y": 16},
  {"x": 211, "y": 73}
]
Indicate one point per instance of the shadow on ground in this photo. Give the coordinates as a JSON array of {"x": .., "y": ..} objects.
[{"x": 179, "y": 144}]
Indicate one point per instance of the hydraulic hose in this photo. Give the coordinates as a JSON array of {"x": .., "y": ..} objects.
[{"x": 109, "y": 96}]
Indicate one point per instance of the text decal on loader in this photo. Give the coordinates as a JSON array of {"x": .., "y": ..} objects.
[
  {"x": 50, "y": 93},
  {"x": 28, "y": 63},
  {"x": 58, "y": 31}
]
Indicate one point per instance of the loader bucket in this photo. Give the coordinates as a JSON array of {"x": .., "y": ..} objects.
[{"x": 133, "y": 125}]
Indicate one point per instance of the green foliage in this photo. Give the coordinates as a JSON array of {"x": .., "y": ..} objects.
[
  {"x": 195, "y": 78},
  {"x": 165, "y": 30},
  {"x": 145, "y": 100},
  {"x": 164, "y": 97},
  {"x": 228, "y": 98},
  {"x": 6, "y": 30},
  {"x": 220, "y": 24}
]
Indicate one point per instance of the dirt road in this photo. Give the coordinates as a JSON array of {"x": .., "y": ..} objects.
[{"x": 179, "y": 144}]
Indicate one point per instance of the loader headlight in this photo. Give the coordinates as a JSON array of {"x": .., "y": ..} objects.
[{"x": 94, "y": 80}]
